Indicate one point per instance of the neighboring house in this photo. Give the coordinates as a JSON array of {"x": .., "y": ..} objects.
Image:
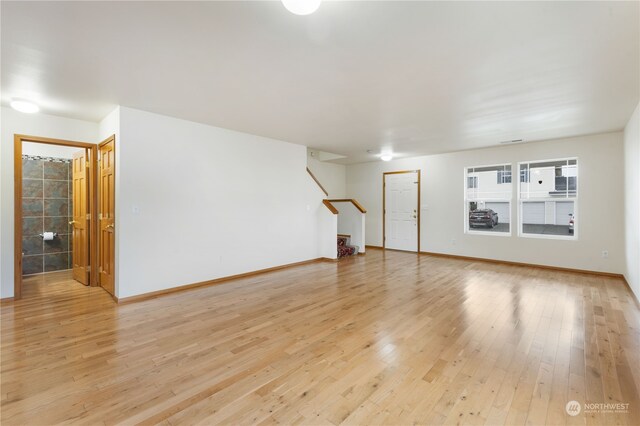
[
  {"x": 541, "y": 187},
  {"x": 550, "y": 188},
  {"x": 491, "y": 188}
]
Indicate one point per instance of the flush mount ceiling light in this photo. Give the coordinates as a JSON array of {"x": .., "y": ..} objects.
[
  {"x": 386, "y": 157},
  {"x": 24, "y": 106},
  {"x": 301, "y": 7}
]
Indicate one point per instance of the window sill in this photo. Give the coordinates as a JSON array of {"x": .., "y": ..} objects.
[
  {"x": 489, "y": 233},
  {"x": 550, "y": 237}
]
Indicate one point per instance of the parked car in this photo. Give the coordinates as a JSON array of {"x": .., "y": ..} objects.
[
  {"x": 572, "y": 222},
  {"x": 483, "y": 217}
]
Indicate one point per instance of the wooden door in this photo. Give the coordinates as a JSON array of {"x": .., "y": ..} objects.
[
  {"x": 106, "y": 215},
  {"x": 80, "y": 223},
  {"x": 401, "y": 210}
]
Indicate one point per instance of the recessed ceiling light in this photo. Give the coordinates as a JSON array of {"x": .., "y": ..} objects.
[
  {"x": 301, "y": 7},
  {"x": 24, "y": 106},
  {"x": 386, "y": 157}
]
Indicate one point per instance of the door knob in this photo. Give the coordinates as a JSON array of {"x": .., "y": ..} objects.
[{"x": 72, "y": 222}]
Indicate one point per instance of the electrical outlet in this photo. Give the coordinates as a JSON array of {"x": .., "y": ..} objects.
[
  {"x": 453, "y": 241},
  {"x": 605, "y": 254}
]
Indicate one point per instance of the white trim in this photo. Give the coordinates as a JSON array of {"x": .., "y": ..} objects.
[
  {"x": 491, "y": 200},
  {"x": 544, "y": 199},
  {"x": 496, "y": 234},
  {"x": 550, "y": 237},
  {"x": 548, "y": 160},
  {"x": 488, "y": 165}
]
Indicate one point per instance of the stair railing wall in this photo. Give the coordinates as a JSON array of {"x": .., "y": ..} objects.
[
  {"x": 351, "y": 221},
  {"x": 327, "y": 231},
  {"x": 338, "y": 216}
]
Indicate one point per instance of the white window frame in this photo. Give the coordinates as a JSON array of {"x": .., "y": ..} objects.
[
  {"x": 503, "y": 176},
  {"x": 521, "y": 201},
  {"x": 475, "y": 182},
  {"x": 465, "y": 222}
]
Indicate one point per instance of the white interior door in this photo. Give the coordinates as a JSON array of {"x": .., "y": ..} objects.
[{"x": 401, "y": 211}]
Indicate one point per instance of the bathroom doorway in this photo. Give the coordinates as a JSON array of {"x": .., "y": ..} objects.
[{"x": 55, "y": 209}]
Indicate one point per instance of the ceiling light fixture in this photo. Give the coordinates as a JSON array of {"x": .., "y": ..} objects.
[
  {"x": 24, "y": 106},
  {"x": 386, "y": 157},
  {"x": 301, "y": 7}
]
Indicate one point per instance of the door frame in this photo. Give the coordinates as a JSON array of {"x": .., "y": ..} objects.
[
  {"x": 111, "y": 138},
  {"x": 384, "y": 205},
  {"x": 17, "y": 207}
]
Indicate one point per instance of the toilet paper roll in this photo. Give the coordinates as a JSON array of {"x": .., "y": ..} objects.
[{"x": 48, "y": 236}]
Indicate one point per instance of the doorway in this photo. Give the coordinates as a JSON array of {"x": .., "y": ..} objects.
[
  {"x": 56, "y": 200},
  {"x": 401, "y": 210}
]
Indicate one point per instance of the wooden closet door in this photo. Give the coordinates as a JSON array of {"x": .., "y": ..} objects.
[
  {"x": 106, "y": 215},
  {"x": 80, "y": 223}
]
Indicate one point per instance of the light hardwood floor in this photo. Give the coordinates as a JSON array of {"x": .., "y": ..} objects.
[{"x": 386, "y": 338}]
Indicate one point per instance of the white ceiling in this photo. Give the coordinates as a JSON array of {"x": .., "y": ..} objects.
[{"x": 413, "y": 77}]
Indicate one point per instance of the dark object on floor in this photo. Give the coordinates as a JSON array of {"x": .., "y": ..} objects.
[{"x": 344, "y": 249}]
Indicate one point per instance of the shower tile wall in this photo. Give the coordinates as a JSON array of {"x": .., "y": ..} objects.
[{"x": 46, "y": 206}]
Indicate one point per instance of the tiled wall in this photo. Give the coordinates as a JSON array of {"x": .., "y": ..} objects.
[{"x": 46, "y": 206}]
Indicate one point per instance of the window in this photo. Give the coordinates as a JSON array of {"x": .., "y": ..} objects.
[
  {"x": 504, "y": 176},
  {"x": 564, "y": 182},
  {"x": 548, "y": 198},
  {"x": 488, "y": 199}
]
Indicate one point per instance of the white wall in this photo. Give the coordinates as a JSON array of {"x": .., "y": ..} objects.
[
  {"x": 197, "y": 202},
  {"x": 110, "y": 125},
  {"x": 600, "y": 210},
  {"x": 331, "y": 176},
  {"x": 14, "y": 122},
  {"x": 352, "y": 221},
  {"x": 327, "y": 226},
  {"x": 632, "y": 201}
]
